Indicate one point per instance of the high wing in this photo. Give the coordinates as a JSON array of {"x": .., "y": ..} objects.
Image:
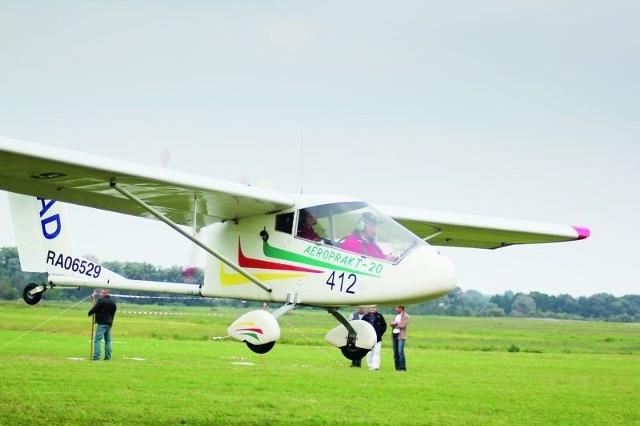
[
  {"x": 458, "y": 230},
  {"x": 84, "y": 179}
]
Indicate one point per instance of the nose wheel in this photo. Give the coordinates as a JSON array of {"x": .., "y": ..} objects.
[
  {"x": 260, "y": 349},
  {"x": 353, "y": 352}
]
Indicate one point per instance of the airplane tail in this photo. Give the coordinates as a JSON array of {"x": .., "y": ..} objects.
[{"x": 43, "y": 237}]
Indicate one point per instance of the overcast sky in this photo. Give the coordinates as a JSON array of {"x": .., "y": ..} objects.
[{"x": 524, "y": 110}]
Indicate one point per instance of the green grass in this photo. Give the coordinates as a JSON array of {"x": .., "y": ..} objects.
[{"x": 169, "y": 370}]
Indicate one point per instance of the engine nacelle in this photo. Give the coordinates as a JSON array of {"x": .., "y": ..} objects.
[
  {"x": 366, "y": 335},
  {"x": 258, "y": 329}
]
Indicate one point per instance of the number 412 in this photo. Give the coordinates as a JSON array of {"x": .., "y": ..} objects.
[{"x": 345, "y": 283}]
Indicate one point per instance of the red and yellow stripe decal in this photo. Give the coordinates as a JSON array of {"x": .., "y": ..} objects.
[{"x": 279, "y": 270}]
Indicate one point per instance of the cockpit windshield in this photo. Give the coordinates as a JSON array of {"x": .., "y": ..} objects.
[{"x": 356, "y": 227}]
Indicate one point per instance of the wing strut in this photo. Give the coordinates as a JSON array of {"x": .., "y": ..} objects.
[
  {"x": 435, "y": 234},
  {"x": 193, "y": 239}
]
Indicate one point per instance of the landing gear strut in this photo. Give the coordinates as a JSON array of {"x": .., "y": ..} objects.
[{"x": 354, "y": 338}]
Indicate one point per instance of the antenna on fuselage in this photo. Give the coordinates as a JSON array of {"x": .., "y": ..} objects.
[{"x": 301, "y": 162}]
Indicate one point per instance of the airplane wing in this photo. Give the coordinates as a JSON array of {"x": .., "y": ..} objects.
[
  {"x": 458, "y": 230},
  {"x": 83, "y": 179}
]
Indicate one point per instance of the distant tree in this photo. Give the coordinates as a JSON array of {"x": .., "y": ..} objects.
[
  {"x": 523, "y": 305},
  {"x": 596, "y": 306},
  {"x": 9, "y": 263},
  {"x": 494, "y": 312},
  {"x": 504, "y": 301},
  {"x": 8, "y": 291},
  {"x": 565, "y": 304},
  {"x": 632, "y": 306},
  {"x": 12, "y": 279},
  {"x": 544, "y": 302},
  {"x": 472, "y": 303}
]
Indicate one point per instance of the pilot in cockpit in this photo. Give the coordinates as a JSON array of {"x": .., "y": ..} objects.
[
  {"x": 306, "y": 222},
  {"x": 363, "y": 238}
]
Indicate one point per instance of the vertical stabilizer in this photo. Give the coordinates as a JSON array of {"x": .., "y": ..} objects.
[
  {"x": 28, "y": 239},
  {"x": 43, "y": 237}
]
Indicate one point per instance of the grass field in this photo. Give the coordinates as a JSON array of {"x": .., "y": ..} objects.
[{"x": 170, "y": 370}]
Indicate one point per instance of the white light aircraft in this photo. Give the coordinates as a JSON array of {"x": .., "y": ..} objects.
[{"x": 326, "y": 251}]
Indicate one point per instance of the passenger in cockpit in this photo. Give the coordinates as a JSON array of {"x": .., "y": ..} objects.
[
  {"x": 363, "y": 238},
  {"x": 306, "y": 222}
]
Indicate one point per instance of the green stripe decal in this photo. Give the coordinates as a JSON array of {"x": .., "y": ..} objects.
[{"x": 323, "y": 257}]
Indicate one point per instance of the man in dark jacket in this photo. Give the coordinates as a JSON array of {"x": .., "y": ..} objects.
[
  {"x": 380, "y": 325},
  {"x": 105, "y": 311}
]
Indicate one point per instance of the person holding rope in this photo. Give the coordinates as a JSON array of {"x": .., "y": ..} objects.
[{"x": 104, "y": 311}]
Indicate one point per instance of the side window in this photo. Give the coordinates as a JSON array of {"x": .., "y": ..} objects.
[
  {"x": 307, "y": 225},
  {"x": 284, "y": 222}
]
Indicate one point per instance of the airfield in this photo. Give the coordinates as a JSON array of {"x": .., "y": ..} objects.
[{"x": 173, "y": 365}]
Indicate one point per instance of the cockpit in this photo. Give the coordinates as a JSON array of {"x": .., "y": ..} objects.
[{"x": 352, "y": 226}]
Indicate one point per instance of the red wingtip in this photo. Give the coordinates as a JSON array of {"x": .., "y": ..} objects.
[{"x": 583, "y": 232}]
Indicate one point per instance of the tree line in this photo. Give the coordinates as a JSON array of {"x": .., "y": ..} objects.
[{"x": 470, "y": 303}]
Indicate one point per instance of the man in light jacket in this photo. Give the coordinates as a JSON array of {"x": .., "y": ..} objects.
[{"x": 399, "y": 323}]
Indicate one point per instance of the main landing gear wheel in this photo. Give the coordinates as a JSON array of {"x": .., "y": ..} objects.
[
  {"x": 31, "y": 299},
  {"x": 353, "y": 352},
  {"x": 260, "y": 349}
]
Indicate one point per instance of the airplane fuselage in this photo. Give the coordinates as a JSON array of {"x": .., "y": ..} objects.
[{"x": 323, "y": 273}]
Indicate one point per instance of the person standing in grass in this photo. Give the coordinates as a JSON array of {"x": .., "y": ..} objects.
[
  {"x": 374, "y": 318},
  {"x": 399, "y": 322},
  {"x": 104, "y": 311}
]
